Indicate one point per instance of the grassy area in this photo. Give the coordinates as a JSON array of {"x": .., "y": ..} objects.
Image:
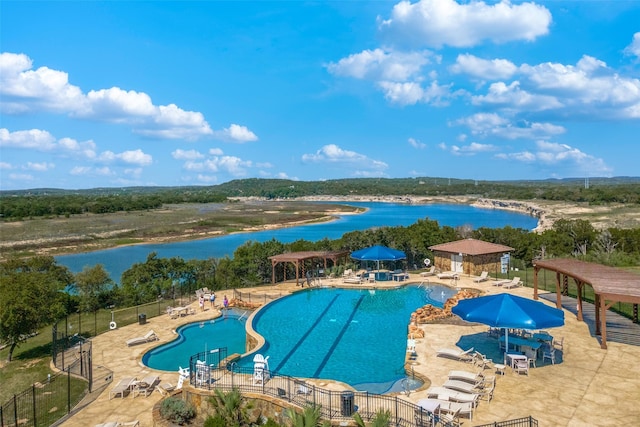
[{"x": 171, "y": 223}]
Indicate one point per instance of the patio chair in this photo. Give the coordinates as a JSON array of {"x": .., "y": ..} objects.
[
  {"x": 463, "y": 356},
  {"x": 303, "y": 388},
  {"x": 466, "y": 376},
  {"x": 549, "y": 353},
  {"x": 483, "y": 276},
  {"x": 123, "y": 386},
  {"x": 558, "y": 344},
  {"x": 514, "y": 283},
  {"x": 447, "y": 275},
  {"x": 165, "y": 389},
  {"x": 145, "y": 386},
  {"x": 521, "y": 366},
  {"x": 450, "y": 418},
  {"x": 148, "y": 337},
  {"x": 429, "y": 272}
]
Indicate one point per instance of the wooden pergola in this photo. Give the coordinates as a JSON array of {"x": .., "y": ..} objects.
[
  {"x": 298, "y": 257},
  {"x": 610, "y": 285}
]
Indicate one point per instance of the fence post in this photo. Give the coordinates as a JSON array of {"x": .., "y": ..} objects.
[
  {"x": 15, "y": 410},
  {"x": 33, "y": 395},
  {"x": 68, "y": 390}
]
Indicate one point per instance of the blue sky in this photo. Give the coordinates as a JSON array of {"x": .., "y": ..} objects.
[{"x": 121, "y": 93}]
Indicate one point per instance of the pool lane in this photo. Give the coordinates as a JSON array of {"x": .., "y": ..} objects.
[
  {"x": 336, "y": 341},
  {"x": 322, "y": 314}
]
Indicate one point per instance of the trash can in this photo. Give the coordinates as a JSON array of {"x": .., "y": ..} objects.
[
  {"x": 347, "y": 403},
  {"x": 142, "y": 318}
]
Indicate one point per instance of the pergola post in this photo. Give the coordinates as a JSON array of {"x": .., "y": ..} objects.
[
  {"x": 579, "y": 307},
  {"x": 558, "y": 291},
  {"x": 535, "y": 282},
  {"x": 603, "y": 323}
]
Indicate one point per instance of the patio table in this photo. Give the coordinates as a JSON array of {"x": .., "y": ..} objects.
[
  {"x": 432, "y": 406},
  {"x": 520, "y": 342},
  {"x": 180, "y": 310}
]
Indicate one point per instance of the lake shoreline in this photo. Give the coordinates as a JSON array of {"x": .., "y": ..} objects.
[{"x": 86, "y": 243}]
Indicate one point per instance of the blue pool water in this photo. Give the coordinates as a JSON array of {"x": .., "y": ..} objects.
[
  {"x": 226, "y": 331},
  {"x": 355, "y": 336}
]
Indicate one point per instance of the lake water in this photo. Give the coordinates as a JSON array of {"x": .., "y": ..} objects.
[{"x": 118, "y": 260}]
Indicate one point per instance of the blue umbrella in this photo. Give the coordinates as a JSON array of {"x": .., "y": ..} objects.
[
  {"x": 378, "y": 253},
  {"x": 509, "y": 311}
]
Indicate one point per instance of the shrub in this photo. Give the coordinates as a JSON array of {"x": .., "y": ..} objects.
[
  {"x": 177, "y": 410},
  {"x": 215, "y": 421}
]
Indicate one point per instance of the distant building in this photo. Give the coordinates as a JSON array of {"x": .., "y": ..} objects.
[{"x": 470, "y": 256}]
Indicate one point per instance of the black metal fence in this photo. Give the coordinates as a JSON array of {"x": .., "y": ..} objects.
[{"x": 520, "y": 422}]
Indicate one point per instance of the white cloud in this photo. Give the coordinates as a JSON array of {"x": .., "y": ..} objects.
[
  {"x": 135, "y": 157},
  {"x": 555, "y": 155},
  {"x": 5, "y": 166},
  {"x": 186, "y": 154},
  {"x": 378, "y": 64},
  {"x": 436, "y": 23},
  {"x": 229, "y": 164},
  {"x": 634, "y": 48},
  {"x": 91, "y": 171},
  {"x": 333, "y": 154},
  {"x": 489, "y": 69},
  {"x": 472, "y": 149},
  {"x": 207, "y": 178},
  {"x": 25, "y": 90},
  {"x": 33, "y": 139},
  {"x": 512, "y": 97},
  {"x": 21, "y": 177},
  {"x": 236, "y": 133},
  {"x": 416, "y": 144},
  {"x": 38, "y": 167},
  {"x": 216, "y": 151},
  {"x": 494, "y": 125},
  {"x": 410, "y": 93}
]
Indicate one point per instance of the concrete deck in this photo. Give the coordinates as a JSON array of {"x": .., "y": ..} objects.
[{"x": 589, "y": 386}]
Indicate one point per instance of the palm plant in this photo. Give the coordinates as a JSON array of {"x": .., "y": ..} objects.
[
  {"x": 382, "y": 418},
  {"x": 309, "y": 417},
  {"x": 229, "y": 407}
]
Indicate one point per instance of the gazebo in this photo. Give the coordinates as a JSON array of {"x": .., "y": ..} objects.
[
  {"x": 298, "y": 258},
  {"x": 469, "y": 256},
  {"x": 610, "y": 285}
]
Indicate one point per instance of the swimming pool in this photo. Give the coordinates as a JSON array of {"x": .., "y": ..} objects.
[
  {"x": 227, "y": 331},
  {"x": 356, "y": 336}
]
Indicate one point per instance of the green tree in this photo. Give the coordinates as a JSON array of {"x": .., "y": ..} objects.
[
  {"x": 91, "y": 284},
  {"x": 31, "y": 296}
]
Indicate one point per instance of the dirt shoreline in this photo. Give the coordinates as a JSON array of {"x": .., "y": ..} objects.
[{"x": 546, "y": 213}]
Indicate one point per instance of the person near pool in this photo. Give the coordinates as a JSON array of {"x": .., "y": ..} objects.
[
  {"x": 201, "y": 302},
  {"x": 225, "y": 302},
  {"x": 212, "y": 298}
]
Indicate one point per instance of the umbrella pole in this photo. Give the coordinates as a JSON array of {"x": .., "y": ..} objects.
[{"x": 506, "y": 344}]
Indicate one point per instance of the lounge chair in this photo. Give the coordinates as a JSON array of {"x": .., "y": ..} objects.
[
  {"x": 452, "y": 395},
  {"x": 464, "y": 356},
  {"x": 148, "y": 337},
  {"x": 352, "y": 279},
  {"x": 462, "y": 386},
  {"x": 466, "y": 376},
  {"x": 514, "y": 283},
  {"x": 411, "y": 345},
  {"x": 430, "y": 272},
  {"x": 134, "y": 423},
  {"x": 483, "y": 276},
  {"x": 123, "y": 386},
  {"x": 165, "y": 389},
  {"x": 447, "y": 275},
  {"x": 145, "y": 386},
  {"x": 303, "y": 388}
]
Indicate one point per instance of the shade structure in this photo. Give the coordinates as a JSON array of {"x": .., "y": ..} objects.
[
  {"x": 378, "y": 253},
  {"x": 509, "y": 311}
]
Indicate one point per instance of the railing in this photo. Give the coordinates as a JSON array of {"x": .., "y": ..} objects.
[
  {"x": 257, "y": 297},
  {"x": 47, "y": 402},
  {"x": 520, "y": 422}
]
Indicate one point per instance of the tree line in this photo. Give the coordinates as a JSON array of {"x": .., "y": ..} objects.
[
  {"x": 25, "y": 204},
  {"x": 37, "y": 291}
]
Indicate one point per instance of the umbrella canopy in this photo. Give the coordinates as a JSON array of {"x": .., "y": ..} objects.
[
  {"x": 378, "y": 253},
  {"x": 509, "y": 311}
]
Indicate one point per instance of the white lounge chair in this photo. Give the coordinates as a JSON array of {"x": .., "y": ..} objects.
[
  {"x": 452, "y": 395},
  {"x": 462, "y": 386},
  {"x": 466, "y": 376},
  {"x": 430, "y": 272},
  {"x": 447, "y": 275},
  {"x": 148, "y": 337},
  {"x": 514, "y": 283},
  {"x": 483, "y": 276},
  {"x": 123, "y": 386},
  {"x": 464, "y": 356},
  {"x": 145, "y": 386},
  {"x": 165, "y": 389}
]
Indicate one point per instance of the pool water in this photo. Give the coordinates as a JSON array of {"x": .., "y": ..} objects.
[
  {"x": 355, "y": 336},
  {"x": 227, "y": 331}
]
